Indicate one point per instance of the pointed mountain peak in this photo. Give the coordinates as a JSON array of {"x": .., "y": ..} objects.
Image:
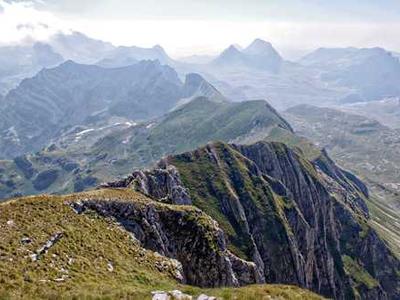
[
  {"x": 231, "y": 48},
  {"x": 261, "y": 47},
  {"x": 158, "y": 48},
  {"x": 257, "y": 43},
  {"x": 196, "y": 86},
  {"x": 230, "y": 55}
]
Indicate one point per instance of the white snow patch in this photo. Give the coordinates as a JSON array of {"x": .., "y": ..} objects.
[
  {"x": 84, "y": 131},
  {"x": 150, "y": 125}
]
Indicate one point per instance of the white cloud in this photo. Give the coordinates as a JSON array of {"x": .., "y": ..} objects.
[{"x": 21, "y": 20}]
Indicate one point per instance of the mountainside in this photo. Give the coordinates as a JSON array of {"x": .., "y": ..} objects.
[
  {"x": 124, "y": 56},
  {"x": 50, "y": 249},
  {"x": 363, "y": 146},
  {"x": 87, "y": 155},
  {"x": 72, "y": 94},
  {"x": 259, "y": 72},
  {"x": 19, "y": 62},
  {"x": 300, "y": 222},
  {"x": 372, "y": 73},
  {"x": 80, "y": 48},
  {"x": 386, "y": 111}
]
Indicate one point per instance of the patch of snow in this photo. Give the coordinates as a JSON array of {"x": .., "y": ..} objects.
[
  {"x": 84, "y": 131},
  {"x": 130, "y": 124},
  {"x": 150, "y": 125}
]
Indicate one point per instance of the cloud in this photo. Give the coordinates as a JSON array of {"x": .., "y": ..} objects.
[
  {"x": 31, "y": 20},
  {"x": 21, "y": 21}
]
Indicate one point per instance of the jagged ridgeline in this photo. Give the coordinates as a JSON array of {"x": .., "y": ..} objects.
[
  {"x": 222, "y": 215},
  {"x": 286, "y": 219},
  {"x": 45, "y": 106}
]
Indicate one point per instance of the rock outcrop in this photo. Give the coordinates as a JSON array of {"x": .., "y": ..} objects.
[
  {"x": 183, "y": 233},
  {"x": 163, "y": 184},
  {"x": 299, "y": 222}
]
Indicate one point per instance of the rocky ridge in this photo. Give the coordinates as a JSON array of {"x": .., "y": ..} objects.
[{"x": 300, "y": 222}]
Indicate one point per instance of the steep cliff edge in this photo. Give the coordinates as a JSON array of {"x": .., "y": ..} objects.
[
  {"x": 98, "y": 245},
  {"x": 183, "y": 233},
  {"x": 300, "y": 222}
]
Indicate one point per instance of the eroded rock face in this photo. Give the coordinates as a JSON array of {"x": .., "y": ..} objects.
[
  {"x": 335, "y": 225},
  {"x": 297, "y": 218},
  {"x": 294, "y": 219},
  {"x": 185, "y": 234},
  {"x": 162, "y": 183}
]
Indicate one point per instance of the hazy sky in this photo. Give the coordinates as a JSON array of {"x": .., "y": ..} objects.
[{"x": 206, "y": 26}]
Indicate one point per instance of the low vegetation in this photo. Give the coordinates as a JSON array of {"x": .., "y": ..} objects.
[{"x": 93, "y": 259}]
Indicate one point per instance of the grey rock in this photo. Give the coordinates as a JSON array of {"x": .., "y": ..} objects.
[
  {"x": 45, "y": 248},
  {"x": 198, "y": 248},
  {"x": 162, "y": 183}
]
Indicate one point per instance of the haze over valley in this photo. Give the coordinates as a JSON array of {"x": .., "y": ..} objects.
[{"x": 205, "y": 153}]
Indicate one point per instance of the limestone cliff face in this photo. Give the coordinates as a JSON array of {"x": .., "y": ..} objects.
[
  {"x": 330, "y": 201},
  {"x": 163, "y": 184},
  {"x": 300, "y": 222},
  {"x": 182, "y": 233}
]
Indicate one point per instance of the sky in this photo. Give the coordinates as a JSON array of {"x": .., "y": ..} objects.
[{"x": 186, "y": 27}]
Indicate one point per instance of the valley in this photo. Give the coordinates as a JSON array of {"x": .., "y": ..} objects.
[{"x": 126, "y": 173}]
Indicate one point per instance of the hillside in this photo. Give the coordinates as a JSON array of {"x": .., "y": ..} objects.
[
  {"x": 88, "y": 155},
  {"x": 73, "y": 265},
  {"x": 363, "y": 146},
  {"x": 372, "y": 73},
  {"x": 272, "y": 209},
  {"x": 386, "y": 111},
  {"x": 53, "y": 101},
  {"x": 22, "y": 61},
  {"x": 277, "y": 208}
]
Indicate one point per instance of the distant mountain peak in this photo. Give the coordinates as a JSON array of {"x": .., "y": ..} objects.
[
  {"x": 196, "y": 86},
  {"x": 232, "y": 48},
  {"x": 258, "y": 55},
  {"x": 230, "y": 51},
  {"x": 159, "y": 48},
  {"x": 261, "y": 47},
  {"x": 258, "y": 43},
  {"x": 230, "y": 55}
]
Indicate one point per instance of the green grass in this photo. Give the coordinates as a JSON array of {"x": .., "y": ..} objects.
[
  {"x": 358, "y": 273},
  {"x": 184, "y": 129},
  {"x": 308, "y": 149},
  {"x": 220, "y": 181},
  {"x": 257, "y": 292},
  {"x": 88, "y": 244}
]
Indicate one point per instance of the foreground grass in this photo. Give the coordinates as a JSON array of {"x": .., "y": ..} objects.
[{"x": 78, "y": 266}]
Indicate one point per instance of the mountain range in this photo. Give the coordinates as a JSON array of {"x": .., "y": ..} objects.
[
  {"x": 124, "y": 171},
  {"x": 88, "y": 155},
  {"x": 221, "y": 215},
  {"x": 20, "y": 62},
  {"x": 258, "y": 55},
  {"x": 372, "y": 73},
  {"x": 23, "y": 61},
  {"x": 44, "y": 106},
  {"x": 326, "y": 76}
]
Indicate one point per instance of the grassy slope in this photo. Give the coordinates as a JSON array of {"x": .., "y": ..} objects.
[
  {"x": 217, "y": 184},
  {"x": 88, "y": 244},
  {"x": 107, "y": 157}
]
